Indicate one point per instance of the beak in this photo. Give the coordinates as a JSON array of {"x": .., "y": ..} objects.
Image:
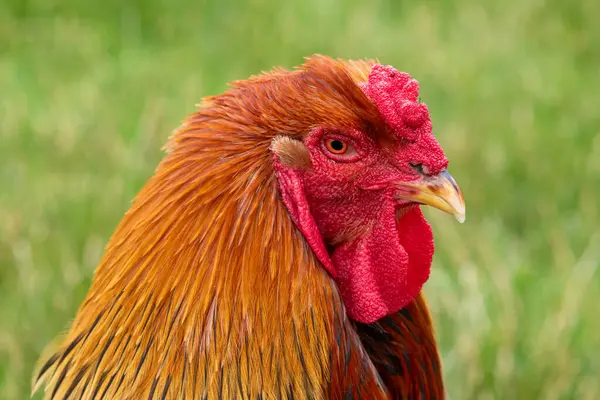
[{"x": 439, "y": 191}]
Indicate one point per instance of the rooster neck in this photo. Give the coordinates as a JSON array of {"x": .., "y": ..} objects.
[
  {"x": 207, "y": 289},
  {"x": 178, "y": 308}
]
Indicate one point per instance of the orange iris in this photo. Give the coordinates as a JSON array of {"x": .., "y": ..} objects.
[{"x": 336, "y": 146}]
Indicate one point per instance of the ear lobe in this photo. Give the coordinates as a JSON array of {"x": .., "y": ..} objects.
[
  {"x": 291, "y": 153},
  {"x": 291, "y": 187}
]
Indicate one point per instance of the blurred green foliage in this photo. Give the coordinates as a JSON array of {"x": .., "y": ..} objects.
[{"x": 89, "y": 92}]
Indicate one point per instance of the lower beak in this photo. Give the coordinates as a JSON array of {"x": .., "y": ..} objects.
[{"x": 439, "y": 191}]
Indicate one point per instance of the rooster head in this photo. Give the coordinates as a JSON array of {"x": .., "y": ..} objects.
[{"x": 355, "y": 190}]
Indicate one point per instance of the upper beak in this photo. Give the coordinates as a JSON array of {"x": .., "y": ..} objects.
[{"x": 439, "y": 191}]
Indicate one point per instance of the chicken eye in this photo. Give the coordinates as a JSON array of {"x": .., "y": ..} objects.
[
  {"x": 340, "y": 149},
  {"x": 336, "y": 146}
]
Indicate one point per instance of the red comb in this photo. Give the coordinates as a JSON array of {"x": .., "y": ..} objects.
[{"x": 396, "y": 96}]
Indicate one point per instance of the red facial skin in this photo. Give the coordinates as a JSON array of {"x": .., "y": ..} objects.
[{"x": 377, "y": 247}]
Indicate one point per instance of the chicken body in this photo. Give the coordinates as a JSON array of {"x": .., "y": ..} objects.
[{"x": 215, "y": 286}]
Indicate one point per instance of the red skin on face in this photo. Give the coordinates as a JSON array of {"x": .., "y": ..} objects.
[{"x": 379, "y": 249}]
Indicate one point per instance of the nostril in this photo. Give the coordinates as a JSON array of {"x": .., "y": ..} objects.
[{"x": 420, "y": 168}]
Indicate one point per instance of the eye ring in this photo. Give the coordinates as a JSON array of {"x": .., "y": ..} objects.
[{"x": 336, "y": 146}]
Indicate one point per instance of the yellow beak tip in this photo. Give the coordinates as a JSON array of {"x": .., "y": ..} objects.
[{"x": 458, "y": 208}]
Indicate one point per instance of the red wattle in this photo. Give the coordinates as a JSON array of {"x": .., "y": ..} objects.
[{"x": 383, "y": 271}]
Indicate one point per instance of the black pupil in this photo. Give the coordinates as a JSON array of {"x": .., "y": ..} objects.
[{"x": 337, "y": 145}]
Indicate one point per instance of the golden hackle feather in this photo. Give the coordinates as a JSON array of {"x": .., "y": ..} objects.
[{"x": 206, "y": 289}]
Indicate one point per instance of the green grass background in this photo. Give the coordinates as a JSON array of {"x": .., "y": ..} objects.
[{"x": 90, "y": 91}]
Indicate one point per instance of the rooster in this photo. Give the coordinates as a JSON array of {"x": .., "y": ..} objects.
[{"x": 278, "y": 252}]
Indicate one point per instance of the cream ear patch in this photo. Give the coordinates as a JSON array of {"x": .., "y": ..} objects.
[{"x": 292, "y": 153}]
